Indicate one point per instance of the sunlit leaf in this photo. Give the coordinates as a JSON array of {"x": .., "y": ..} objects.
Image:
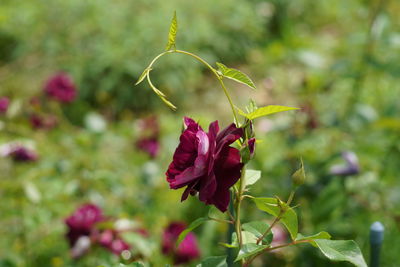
[
  {"x": 160, "y": 94},
  {"x": 258, "y": 228},
  {"x": 265, "y": 111},
  {"x": 247, "y": 237},
  {"x": 191, "y": 227},
  {"x": 214, "y": 261},
  {"x": 288, "y": 217},
  {"x": 250, "y": 250},
  {"x": 252, "y": 176},
  {"x": 143, "y": 76},
  {"x": 341, "y": 250},
  {"x": 235, "y": 75},
  {"x": 311, "y": 238},
  {"x": 172, "y": 33}
]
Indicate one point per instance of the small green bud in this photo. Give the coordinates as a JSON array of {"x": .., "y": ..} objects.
[{"x": 299, "y": 177}]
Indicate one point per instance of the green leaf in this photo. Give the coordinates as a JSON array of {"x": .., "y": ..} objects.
[
  {"x": 264, "y": 111},
  {"x": 191, "y": 227},
  {"x": 172, "y": 33},
  {"x": 143, "y": 75},
  {"x": 169, "y": 104},
  {"x": 289, "y": 217},
  {"x": 258, "y": 228},
  {"x": 341, "y": 250},
  {"x": 311, "y": 238},
  {"x": 214, "y": 261},
  {"x": 160, "y": 94},
  {"x": 247, "y": 238},
  {"x": 252, "y": 176},
  {"x": 235, "y": 75},
  {"x": 250, "y": 250}
]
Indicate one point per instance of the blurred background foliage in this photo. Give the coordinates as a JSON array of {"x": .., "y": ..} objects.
[{"x": 337, "y": 60}]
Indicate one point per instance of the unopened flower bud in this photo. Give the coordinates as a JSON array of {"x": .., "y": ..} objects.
[{"x": 299, "y": 176}]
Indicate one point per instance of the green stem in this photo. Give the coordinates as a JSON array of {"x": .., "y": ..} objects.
[
  {"x": 219, "y": 77},
  {"x": 220, "y": 220},
  {"x": 278, "y": 218},
  {"x": 239, "y": 194},
  {"x": 214, "y": 71}
]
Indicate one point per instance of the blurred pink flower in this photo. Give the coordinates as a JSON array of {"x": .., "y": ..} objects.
[
  {"x": 4, "y": 103},
  {"x": 188, "y": 249},
  {"x": 110, "y": 240},
  {"x": 149, "y": 134},
  {"x": 149, "y": 145},
  {"x": 61, "y": 88},
  {"x": 43, "y": 122}
]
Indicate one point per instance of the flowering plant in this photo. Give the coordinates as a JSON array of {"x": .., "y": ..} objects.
[{"x": 208, "y": 165}]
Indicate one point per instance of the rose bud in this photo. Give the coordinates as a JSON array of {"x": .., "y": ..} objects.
[
  {"x": 61, "y": 88},
  {"x": 4, "y": 103},
  {"x": 205, "y": 163},
  {"x": 187, "y": 250},
  {"x": 247, "y": 151},
  {"x": 351, "y": 167}
]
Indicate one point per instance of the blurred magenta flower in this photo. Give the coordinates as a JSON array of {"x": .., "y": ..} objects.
[
  {"x": 61, "y": 88},
  {"x": 110, "y": 240},
  {"x": 149, "y": 145},
  {"x": 4, "y": 103},
  {"x": 43, "y": 122},
  {"x": 187, "y": 250},
  {"x": 149, "y": 130},
  {"x": 82, "y": 222},
  {"x": 205, "y": 163},
  {"x": 19, "y": 153},
  {"x": 351, "y": 167}
]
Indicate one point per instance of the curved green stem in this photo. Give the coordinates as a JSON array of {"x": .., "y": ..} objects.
[{"x": 214, "y": 71}]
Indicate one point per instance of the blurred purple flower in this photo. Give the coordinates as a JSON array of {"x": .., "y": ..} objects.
[
  {"x": 61, "y": 88},
  {"x": 149, "y": 131},
  {"x": 4, "y": 103},
  {"x": 149, "y": 145},
  {"x": 205, "y": 163},
  {"x": 351, "y": 167},
  {"x": 82, "y": 222},
  {"x": 19, "y": 153},
  {"x": 187, "y": 250},
  {"x": 43, "y": 122}
]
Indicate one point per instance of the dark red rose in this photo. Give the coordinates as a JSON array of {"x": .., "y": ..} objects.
[
  {"x": 188, "y": 249},
  {"x": 4, "y": 103},
  {"x": 61, "y": 88},
  {"x": 82, "y": 222},
  {"x": 205, "y": 163},
  {"x": 149, "y": 145},
  {"x": 22, "y": 154}
]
